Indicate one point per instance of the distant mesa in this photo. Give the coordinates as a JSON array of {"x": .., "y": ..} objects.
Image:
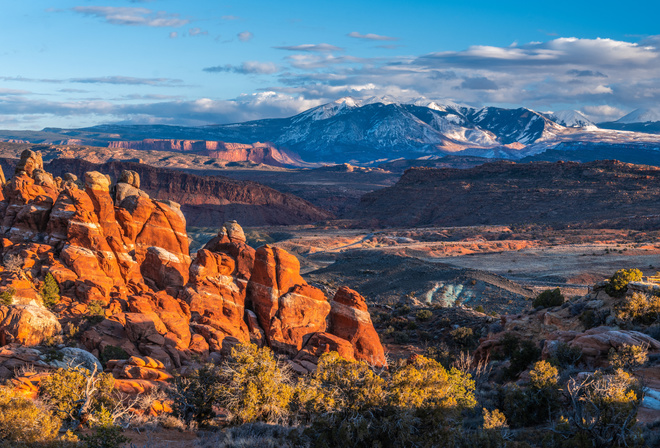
[{"x": 258, "y": 152}]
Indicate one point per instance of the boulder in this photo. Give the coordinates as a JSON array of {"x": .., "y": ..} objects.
[
  {"x": 131, "y": 178},
  {"x": 30, "y": 161},
  {"x": 597, "y": 342},
  {"x": 350, "y": 320},
  {"x": 27, "y": 325}
]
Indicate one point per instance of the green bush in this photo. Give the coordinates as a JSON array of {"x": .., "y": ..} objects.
[
  {"x": 25, "y": 421},
  {"x": 566, "y": 355},
  {"x": 639, "y": 309},
  {"x": 79, "y": 395},
  {"x": 254, "y": 386},
  {"x": 193, "y": 396},
  {"x": 549, "y": 298},
  {"x": 105, "y": 436},
  {"x": 112, "y": 352},
  {"x": 464, "y": 337},
  {"x": 423, "y": 315},
  {"x": 619, "y": 281},
  {"x": 628, "y": 357},
  {"x": 521, "y": 353},
  {"x": 49, "y": 291},
  {"x": 7, "y": 296}
]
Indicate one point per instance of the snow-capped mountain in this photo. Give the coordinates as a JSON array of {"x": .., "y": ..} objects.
[
  {"x": 379, "y": 129},
  {"x": 640, "y": 116},
  {"x": 515, "y": 125},
  {"x": 570, "y": 118}
]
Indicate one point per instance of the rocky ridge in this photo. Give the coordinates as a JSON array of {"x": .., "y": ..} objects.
[
  {"x": 510, "y": 193},
  {"x": 117, "y": 253}
]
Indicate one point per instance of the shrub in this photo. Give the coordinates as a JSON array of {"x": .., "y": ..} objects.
[
  {"x": 105, "y": 436},
  {"x": 628, "y": 357},
  {"x": 13, "y": 263},
  {"x": 566, "y": 356},
  {"x": 424, "y": 383},
  {"x": 480, "y": 309},
  {"x": 194, "y": 396},
  {"x": 463, "y": 336},
  {"x": 7, "y": 296},
  {"x": 113, "y": 352},
  {"x": 79, "y": 395},
  {"x": 619, "y": 281},
  {"x": 543, "y": 376},
  {"x": 521, "y": 353},
  {"x": 25, "y": 421},
  {"x": 352, "y": 385},
  {"x": 96, "y": 311},
  {"x": 604, "y": 409},
  {"x": 549, "y": 298},
  {"x": 49, "y": 291},
  {"x": 254, "y": 387},
  {"x": 639, "y": 309},
  {"x": 423, "y": 315},
  {"x": 494, "y": 419},
  {"x": 401, "y": 337}
]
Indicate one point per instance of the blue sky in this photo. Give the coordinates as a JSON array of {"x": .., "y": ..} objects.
[{"x": 80, "y": 63}]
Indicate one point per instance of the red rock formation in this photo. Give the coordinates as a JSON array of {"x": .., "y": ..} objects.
[
  {"x": 350, "y": 320},
  {"x": 130, "y": 253},
  {"x": 289, "y": 310},
  {"x": 27, "y": 325},
  {"x": 231, "y": 152}
]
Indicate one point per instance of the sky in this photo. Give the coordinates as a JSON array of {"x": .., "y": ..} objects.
[{"x": 80, "y": 63}]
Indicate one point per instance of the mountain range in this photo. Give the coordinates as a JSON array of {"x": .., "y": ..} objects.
[{"x": 382, "y": 129}]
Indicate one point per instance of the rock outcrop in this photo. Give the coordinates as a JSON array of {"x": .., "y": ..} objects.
[
  {"x": 289, "y": 310},
  {"x": 512, "y": 193},
  {"x": 350, "y": 320},
  {"x": 113, "y": 249},
  {"x": 27, "y": 325}
]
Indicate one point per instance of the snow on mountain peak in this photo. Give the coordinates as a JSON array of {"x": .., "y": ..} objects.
[
  {"x": 570, "y": 118},
  {"x": 641, "y": 116}
]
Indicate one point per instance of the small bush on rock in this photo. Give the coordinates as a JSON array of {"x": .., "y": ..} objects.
[
  {"x": 619, "y": 281},
  {"x": 549, "y": 298},
  {"x": 628, "y": 357},
  {"x": 639, "y": 309},
  {"x": 7, "y": 296}
]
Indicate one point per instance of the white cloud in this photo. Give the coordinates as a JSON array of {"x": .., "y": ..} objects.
[
  {"x": 370, "y": 36},
  {"x": 132, "y": 16},
  {"x": 314, "y": 48},
  {"x": 197, "y": 32},
  {"x": 245, "y": 36},
  {"x": 246, "y": 68}
]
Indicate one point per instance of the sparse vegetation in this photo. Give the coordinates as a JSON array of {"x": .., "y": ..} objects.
[
  {"x": 548, "y": 298},
  {"x": 7, "y": 296},
  {"x": 639, "y": 308},
  {"x": 618, "y": 283},
  {"x": 628, "y": 357}
]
